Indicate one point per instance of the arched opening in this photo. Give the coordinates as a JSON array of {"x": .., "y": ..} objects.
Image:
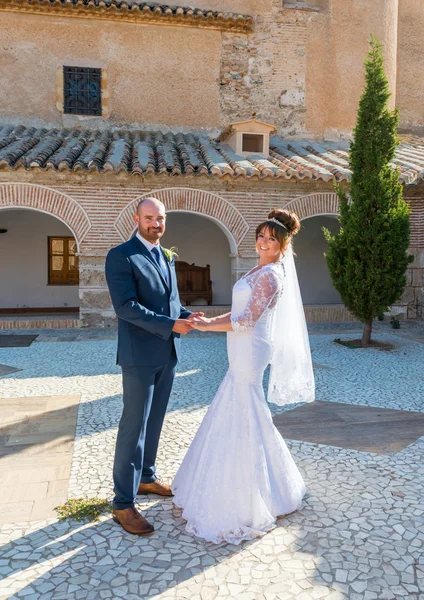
[
  {"x": 201, "y": 241},
  {"x": 39, "y": 263},
  {"x": 188, "y": 200},
  {"x": 314, "y": 278}
]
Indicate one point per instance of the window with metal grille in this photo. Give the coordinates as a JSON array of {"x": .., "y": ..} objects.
[
  {"x": 82, "y": 91},
  {"x": 63, "y": 261}
]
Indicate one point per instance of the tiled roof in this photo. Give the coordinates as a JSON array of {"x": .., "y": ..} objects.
[
  {"x": 141, "y": 152},
  {"x": 130, "y": 10}
]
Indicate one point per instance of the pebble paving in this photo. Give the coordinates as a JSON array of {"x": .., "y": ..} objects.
[{"x": 358, "y": 536}]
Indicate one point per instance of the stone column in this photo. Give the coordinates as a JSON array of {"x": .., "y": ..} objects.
[
  {"x": 411, "y": 303},
  {"x": 95, "y": 304},
  {"x": 415, "y": 285},
  {"x": 336, "y": 47},
  {"x": 241, "y": 264},
  {"x": 410, "y": 61}
]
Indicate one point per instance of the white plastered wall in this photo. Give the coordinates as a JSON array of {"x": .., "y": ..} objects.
[
  {"x": 24, "y": 261},
  {"x": 201, "y": 242},
  {"x": 314, "y": 278}
]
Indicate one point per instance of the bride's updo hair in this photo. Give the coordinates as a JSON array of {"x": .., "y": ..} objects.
[{"x": 282, "y": 224}]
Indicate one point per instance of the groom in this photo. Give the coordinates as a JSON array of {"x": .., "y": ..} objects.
[{"x": 143, "y": 287}]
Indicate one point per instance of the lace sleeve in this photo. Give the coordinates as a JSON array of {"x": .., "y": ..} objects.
[{"x": 265, "y": 286}]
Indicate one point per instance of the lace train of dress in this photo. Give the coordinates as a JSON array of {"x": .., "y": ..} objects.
[{"x": 238, "y": 474}]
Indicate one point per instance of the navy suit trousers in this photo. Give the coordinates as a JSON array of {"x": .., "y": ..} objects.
[{"x": 146, "y": 393}]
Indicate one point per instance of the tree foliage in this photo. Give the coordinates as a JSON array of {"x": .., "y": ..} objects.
[{"x": 368, "y": 258}]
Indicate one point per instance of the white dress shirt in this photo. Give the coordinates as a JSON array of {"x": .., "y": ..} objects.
[{"x": 150, "y": 247}]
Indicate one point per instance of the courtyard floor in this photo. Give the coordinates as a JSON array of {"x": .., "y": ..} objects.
[{"x": 359, "y": 534}]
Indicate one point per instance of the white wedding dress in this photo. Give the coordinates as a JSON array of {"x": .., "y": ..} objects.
[{"x": 238, "y": 474}]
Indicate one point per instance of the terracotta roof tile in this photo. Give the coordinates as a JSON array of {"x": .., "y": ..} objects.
[
  {"x": 215, "y": 161},
  {"x": 180, "y": 154},
  {"x": 143, "y": 155},
  {"x": 134, "y": 10},
  {"x": 240, "y": 165},
  {"x": 265, "y": 166}
]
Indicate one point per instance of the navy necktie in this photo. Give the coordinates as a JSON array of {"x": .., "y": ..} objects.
[{"x": 161, "y": 264}]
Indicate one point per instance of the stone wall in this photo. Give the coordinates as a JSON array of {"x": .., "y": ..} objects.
[
  {"x": 413, "y": 298},
  {"x": 410, "y": 64},
  {"x": 302, "y": 69},
  {"x": 246, "y": 7},
  {"x": 337, "y": 43},
  {"x": 264, "y": 72},
  {"x": 155, "y": 74}
]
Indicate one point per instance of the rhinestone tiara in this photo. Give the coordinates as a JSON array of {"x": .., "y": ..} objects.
[{"x": 274, "y": 220}]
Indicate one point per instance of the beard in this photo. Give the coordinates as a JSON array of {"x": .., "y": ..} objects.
[{"x": 151, "y": 234}]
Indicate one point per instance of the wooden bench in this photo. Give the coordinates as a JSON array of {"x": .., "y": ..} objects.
[{"x": 193, "y": 282}]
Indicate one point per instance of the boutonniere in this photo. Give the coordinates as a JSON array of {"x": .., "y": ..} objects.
[{"x": 170, "y": 253}]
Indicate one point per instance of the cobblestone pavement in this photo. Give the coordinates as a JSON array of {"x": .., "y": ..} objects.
[{"x": 359, "y": 534}]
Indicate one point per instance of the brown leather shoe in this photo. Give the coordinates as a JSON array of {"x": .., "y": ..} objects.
[
  {"x": 131, "y": 520},
  {"x": 156, "y": 487}
]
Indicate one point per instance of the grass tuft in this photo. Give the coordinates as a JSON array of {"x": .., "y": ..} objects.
[{"x": 81, "y": 509}]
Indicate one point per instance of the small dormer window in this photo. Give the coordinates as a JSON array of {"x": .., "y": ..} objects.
[
  {"x": 252, "y": 142},
  {"x": 247, "y": 137}
]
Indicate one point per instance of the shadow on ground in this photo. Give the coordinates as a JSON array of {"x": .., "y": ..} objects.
[{"x": 339, "y": 545}]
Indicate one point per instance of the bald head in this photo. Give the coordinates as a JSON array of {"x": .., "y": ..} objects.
[
  {"x": 152, "y": 201},
  {"x": 150, "y": 219}
]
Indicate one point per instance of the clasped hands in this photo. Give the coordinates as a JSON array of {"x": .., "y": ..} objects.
[{"x": 196, "y": 320}]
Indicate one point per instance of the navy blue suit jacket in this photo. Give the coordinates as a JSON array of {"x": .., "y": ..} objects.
[{"x": 146, "y": 306}]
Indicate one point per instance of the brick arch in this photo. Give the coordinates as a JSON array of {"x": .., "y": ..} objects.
[
  {"x": 324, "y": 203},
  {"x": 49, "y": 201},
  {"x": 200, "y": 202}
]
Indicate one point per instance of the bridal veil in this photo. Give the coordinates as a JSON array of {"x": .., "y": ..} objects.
[{"x": 291, "y": 377}]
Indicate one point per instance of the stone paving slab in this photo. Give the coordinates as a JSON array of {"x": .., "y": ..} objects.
[
  {"x": 362, "y": 428},
  {"x": 36, "y": 447},
  {"x": 7, "y": 370},
  {"x": 16, "y": 341},
  {"x": 358, "y": 535}
]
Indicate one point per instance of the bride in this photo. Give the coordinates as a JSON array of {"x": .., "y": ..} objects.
[{"x": 238, "y": 475}]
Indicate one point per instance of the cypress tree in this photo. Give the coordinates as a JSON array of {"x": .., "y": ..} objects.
[{"x": 368, "y": 258}]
